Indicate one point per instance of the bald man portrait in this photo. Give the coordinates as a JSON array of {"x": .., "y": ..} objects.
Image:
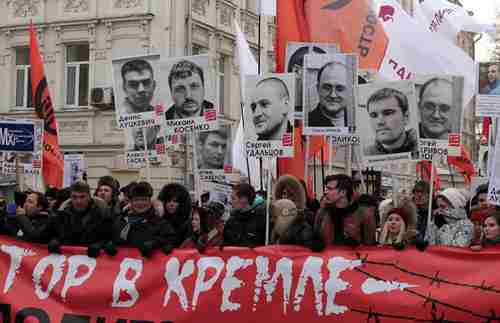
[
  {"x": 335, "y": 97},
  {"x": 438, "y": 115},
  {"x": 270, "y": 106}
]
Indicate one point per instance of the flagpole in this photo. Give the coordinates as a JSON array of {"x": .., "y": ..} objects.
[
  {"x": 148, "y": 170},
  {"x": 244, "y": 149},
  {"x": 431, "y": 194},
  {"x": 268, "y": 206},
  {"x": 322, "y": 169}
]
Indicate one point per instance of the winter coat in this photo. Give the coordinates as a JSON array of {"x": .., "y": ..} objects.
[
  {"x": 180, "y": 221},
  {"x": 213, "y": 238},
  {"x": 299, "y": 233},
  {"x": 212, "y": 233},
  {"x": 133, "y": 230},
  {"x": 457, "y": 232},
  {"x": 350, "y": 225},
  {"x": 246, "y": 227},
  {"x": 69, "y": 227},
  {"x": 31, "y": 228}
]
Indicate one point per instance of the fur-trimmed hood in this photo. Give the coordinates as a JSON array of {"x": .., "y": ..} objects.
[
  {"x": 293, "y": 185},
  {"x": 182, "y": 196}
]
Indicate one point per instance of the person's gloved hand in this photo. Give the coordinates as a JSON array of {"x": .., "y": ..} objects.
[
  {"x": 146, "y": 249},
  {"x": 351, "y": 242},
  {"x": 202, "y": 247},
  {"x": 422, "y": 244},
  {"x": 94, "y": 250},
  {"x": 398, "y": 246},
  {"x": 317, "y": 245},
  {"x": 54, "y": 246},
  {"x": 167, "y": 249},
  {"x": 110, "y": 248}
]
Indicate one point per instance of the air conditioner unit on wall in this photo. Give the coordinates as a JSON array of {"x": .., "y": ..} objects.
[{"x": 102, "y": 98}]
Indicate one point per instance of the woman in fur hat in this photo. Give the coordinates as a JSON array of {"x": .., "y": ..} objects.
[
  {"x": 398, "y": 228},
  {"x": 458, "y": 230},
  {"x": 177, "y": 209},
  {"x": 491, "y": 232}
]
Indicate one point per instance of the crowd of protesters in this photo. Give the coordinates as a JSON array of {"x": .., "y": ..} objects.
[{"x": 131, "y": 216}]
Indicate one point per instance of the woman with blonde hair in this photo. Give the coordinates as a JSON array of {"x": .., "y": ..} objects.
[{"x": 398, "y": 228}]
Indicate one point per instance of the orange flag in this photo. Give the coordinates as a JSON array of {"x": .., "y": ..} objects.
[
  {"x": 53, "y": 159},
  {"x": 464, "y": 164}
]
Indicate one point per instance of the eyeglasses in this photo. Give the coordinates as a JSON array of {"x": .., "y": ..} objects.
[
  {"x": 431, "y": 108},
  {"x": 327, "y": 89}
]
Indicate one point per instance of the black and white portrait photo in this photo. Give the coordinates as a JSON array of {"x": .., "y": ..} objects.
[
  {"x": 191, "y": 104},
  {"x": 330, "y": 93},
  {"x": 387, "y": 121},
  {"x": 440, "y": 105},
  {"x": 268, "y": 112},
  {"x": 139, "y": 100},
  {"x": 294, "y": 63},
  {"x": 213, "y": 149}
]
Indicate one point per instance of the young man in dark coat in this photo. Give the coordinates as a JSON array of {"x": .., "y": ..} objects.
[
  {"x": 177, "y": 206},
  {"x": 140, "y": 226},
  {"x": 32, "y": 219},
  {"x": 341, "y": 221},
  {"x": 246, "y": 227},
  {"x": 82, "y": 221}
]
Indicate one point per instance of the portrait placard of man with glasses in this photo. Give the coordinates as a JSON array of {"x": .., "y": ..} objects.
[
  {"x": 330, "y": 93},
  {"x": 440, "y": 107}
]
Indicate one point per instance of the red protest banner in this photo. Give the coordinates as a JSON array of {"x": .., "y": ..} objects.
[{"x": 268, "y": 284}]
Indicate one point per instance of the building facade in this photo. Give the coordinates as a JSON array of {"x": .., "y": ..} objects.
[{"x": 79, "y": 38}]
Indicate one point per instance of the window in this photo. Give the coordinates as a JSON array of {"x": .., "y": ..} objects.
[
  {"x": 77, "y": 75},
  {"x": 198, "y": 50},
  {"x": 24, "y": 98},
  {"x": 221, "y": 83}
]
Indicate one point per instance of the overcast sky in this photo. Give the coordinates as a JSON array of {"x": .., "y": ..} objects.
[{"x": 484, "y": 11}]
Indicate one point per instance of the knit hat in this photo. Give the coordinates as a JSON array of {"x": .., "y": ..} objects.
[
  {"x": 141, "y": 189},
  {"x": 284, "y": 207},
  {"x": 216, "y": 208},
  {"x": 109, "y": 181},
  {"x": 401, "y": 212},
  {"x": 455, "y": 197}
]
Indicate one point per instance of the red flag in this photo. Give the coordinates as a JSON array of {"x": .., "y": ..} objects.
[
  {"x": 485, "y": 131},
  {"x": 294, "y": 166},
  {"x": 423, "y": 168},
  {"x": 463, "y": 164},
  {"x": 53, "y": 160}
]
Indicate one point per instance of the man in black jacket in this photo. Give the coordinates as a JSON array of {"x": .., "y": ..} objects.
[
  {"x": 140, "y": 226},
  {"x": 81, "y": 220},
  {"x": 32, "y": 219},
  {"x": 246, "y": 227}
]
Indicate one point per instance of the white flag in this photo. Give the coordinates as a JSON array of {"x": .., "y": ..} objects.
[
  {"x": 413, "y": 49},
  {"x": 248, "y": 66},
  {"x": 268, "y": 7},
  {"x": 447, "y": 19}
]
